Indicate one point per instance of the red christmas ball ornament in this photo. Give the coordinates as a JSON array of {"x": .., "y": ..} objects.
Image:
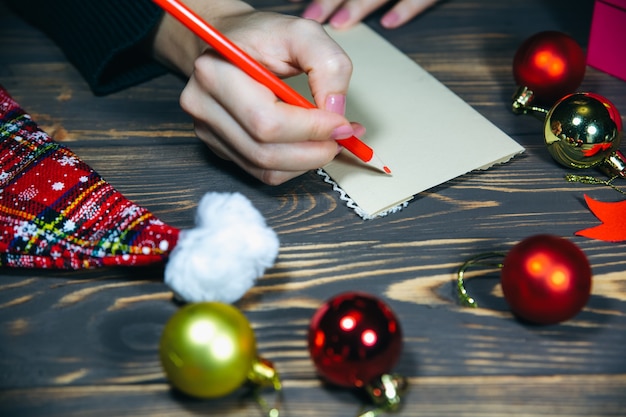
[
  {"x": 551, "y": 64},
  {"x": 546, "y": 279},
  {"x": 353, "y": 339}
]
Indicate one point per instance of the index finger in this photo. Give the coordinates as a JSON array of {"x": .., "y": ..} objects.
[{"x": 327, "y": 65}]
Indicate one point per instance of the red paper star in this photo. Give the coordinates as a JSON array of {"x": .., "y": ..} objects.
[{"x": 613, "y": 218}]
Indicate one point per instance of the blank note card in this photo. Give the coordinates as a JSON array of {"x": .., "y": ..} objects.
[{"x": 424, "y": 132}]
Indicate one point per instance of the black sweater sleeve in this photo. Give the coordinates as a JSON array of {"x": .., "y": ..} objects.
[{"x": 104, "y": 39}]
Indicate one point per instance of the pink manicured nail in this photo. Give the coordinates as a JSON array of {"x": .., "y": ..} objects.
[
  {"x": 390, "y": 20},
  {"x": 336, "y": 103},
  {"x": 359, "y": 129},
  {"x": 313, "y": 11},
  {"x": 342, "y": 132},
  {"x": 339, "y": 18}
]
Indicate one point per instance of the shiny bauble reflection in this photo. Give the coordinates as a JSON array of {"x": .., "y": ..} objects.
[
  {"x": 580, "y": 130},
  {"x": 353, "y": 339},
  {"x": 207, "y": 350}
]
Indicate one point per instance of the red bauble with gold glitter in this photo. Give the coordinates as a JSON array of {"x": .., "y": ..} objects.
[
  {"x": 354, "y": 338},
  {"x": 552, "y": 64},
  {"x": 546, "y": 279}
]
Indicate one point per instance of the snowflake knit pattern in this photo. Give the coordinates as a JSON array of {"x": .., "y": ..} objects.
[{"x": 57, "y": 212}]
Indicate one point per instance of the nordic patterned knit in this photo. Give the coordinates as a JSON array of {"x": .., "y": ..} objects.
[
  {"x": 57, "y": 212},
  {"x": 106, "y": 40}
]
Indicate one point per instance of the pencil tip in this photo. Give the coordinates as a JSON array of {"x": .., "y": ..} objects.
[{"x": 375, "y": 162}]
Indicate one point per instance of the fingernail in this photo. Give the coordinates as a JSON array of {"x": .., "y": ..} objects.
[
  {"x": 336, "y": 103},
  {"x": 359, "y": 129},
  {"x": 390, "y": 20},
  {"x": 339, "y": 149},
  {"x": 340, "y": 17},
  {"x": 313, "y": 11},
  {"x": 342, "y": 132}
]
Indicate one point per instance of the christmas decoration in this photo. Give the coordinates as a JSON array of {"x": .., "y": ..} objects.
[
  {"x": 545, "y": 279},
  {"x": 613, "y": 218},
  {"x": 208, "y": 350},
  {"x": 581, "y": 131},
  {"x": 57, "y": 212},
  {"x": 354, "y": 341},
  {"x": 610, "y": 107},
  {"x": 551, "y": 64}
]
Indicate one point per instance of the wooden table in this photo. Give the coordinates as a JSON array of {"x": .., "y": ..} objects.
[{"x": 85, "y": 343}]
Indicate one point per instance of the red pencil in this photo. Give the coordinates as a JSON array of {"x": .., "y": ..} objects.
[{"x": 246, "y": 63}]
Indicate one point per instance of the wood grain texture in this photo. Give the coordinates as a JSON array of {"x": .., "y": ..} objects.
[{"x": 85, "y": 343}]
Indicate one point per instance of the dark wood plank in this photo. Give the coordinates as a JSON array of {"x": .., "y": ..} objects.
[
  {"x": 441, "y": 397},
  {"x": 85, "y": 343}
]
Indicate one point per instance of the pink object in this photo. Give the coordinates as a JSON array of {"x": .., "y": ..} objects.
[{"x": 607, "y": 41}]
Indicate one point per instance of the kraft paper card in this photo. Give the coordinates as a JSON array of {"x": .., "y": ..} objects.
[{"x": 425, "y": 133}]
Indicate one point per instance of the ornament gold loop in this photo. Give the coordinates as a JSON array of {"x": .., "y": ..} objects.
[
  {"x": 386, "y": 393},
  {"x": 464, "y": 298}
]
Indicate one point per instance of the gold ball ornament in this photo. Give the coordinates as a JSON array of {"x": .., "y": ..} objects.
[
  {"x": 579, "y": 131},
  {"x": 208, "y": 349}
]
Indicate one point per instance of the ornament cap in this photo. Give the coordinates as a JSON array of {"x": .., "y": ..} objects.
[
  {"x": 263, "y": 374},
  {"x": 522, "y": 100},
  {"x": 387, "y": 391},
  {"x": 614, "y": 165}
]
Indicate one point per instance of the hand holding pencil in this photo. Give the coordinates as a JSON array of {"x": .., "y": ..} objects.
[{"x": 240, "y": 118}]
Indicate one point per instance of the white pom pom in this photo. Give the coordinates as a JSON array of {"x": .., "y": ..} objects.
[{"x": 221, "y": 258}]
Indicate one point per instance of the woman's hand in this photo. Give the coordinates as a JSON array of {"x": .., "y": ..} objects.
[
  {"x": 342, "y": 14},
  {"x": 242, "y": 120}
]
